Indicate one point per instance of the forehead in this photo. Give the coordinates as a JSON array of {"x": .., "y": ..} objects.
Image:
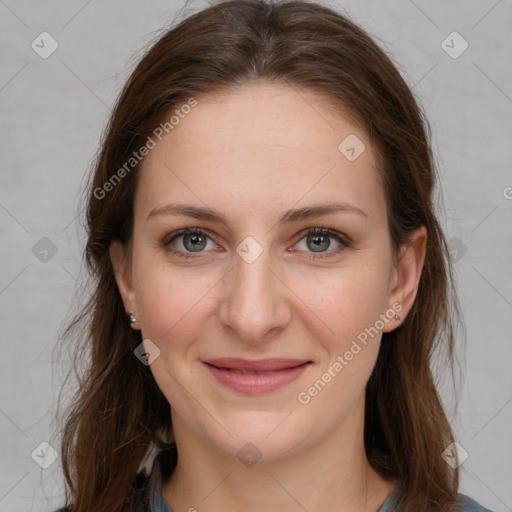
[{"x": 264, "y": 146}]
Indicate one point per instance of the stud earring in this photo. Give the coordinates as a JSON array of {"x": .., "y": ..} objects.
[
  {"x": 132, "y": 318},
  {"x": 397, "y": 317}
]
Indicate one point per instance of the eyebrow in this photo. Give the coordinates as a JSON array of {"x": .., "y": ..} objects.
[{"x": 207, "y": 214}]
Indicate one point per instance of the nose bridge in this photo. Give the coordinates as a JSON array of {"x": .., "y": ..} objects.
[{"x": 253, "y": 303}]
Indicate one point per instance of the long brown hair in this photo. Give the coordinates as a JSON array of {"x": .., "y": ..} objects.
[{"x": 118, "y": 413}]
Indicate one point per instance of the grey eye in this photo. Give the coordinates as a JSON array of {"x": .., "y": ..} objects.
[
  {"x": 194, "y": 242},
  {"x": 318, "y": 243}
]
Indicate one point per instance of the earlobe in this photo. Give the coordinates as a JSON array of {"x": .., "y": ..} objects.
[{"x": 408, "y": 270}]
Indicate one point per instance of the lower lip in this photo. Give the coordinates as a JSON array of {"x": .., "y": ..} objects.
[{"x": 257, "y": 383}]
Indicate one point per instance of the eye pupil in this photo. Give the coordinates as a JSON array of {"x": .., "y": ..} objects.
[
  {"x": 198, "y": 242},
  {"x": 320, "y": 242}
]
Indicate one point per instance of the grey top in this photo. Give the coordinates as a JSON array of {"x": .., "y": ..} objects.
[{"x": 468, "y": 505}]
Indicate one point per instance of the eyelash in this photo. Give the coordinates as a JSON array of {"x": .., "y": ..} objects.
[{"x": 344, "y": 242}]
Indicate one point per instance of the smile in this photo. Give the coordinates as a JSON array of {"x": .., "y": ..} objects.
[{"x": 272, "y": 375}]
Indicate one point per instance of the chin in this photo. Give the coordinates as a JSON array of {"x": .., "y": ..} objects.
[{"x": 259, "y": 438}]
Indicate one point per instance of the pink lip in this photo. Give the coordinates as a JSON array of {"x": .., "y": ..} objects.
[{"x": 253, "y": 381}]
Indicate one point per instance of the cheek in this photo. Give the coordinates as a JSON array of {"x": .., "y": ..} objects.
[
  {"x": 350, "y": 306},
  {"x": 346, "y": 307},
  {"x": 170, "y": 304},
  {"x": 345, "y": 301}
]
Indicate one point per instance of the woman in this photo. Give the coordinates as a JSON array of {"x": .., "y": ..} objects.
[{"x": 271, "y": 280}]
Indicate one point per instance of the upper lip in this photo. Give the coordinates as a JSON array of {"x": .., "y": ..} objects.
[{"x": 262, "y": 365}]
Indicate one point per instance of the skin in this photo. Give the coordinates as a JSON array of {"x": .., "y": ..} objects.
[{"x": 253, "y": 154}]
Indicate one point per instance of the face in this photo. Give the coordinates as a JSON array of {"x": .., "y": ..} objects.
[{"x": 267, "y": 271}]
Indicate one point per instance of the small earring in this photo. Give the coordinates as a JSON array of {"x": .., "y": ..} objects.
[
  {"x": 132, "y": 318},
  {"x": 397, "y": 317}
]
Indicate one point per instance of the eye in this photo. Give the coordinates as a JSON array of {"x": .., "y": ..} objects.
[
  {"x": 319, "y": 240},
  {"x": 187, "y": 241}
]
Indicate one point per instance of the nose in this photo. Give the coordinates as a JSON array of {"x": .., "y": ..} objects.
[{"x": 254, "y": 306}]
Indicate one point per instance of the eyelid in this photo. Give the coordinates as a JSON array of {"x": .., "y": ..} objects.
[
  {"x": 321, "y": 230},
  {"x": 344, "y": 241},
  {"x": 167, "y": 240},
  {"x": 186, "y": 231}
]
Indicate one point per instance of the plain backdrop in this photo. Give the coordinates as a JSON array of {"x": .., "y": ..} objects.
[{"x": 53, "y": 111}]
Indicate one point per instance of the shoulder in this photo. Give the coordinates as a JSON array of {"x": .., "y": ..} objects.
[{"x": 470, "y": 505}]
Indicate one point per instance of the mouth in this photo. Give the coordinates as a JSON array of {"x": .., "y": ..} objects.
[{"x": 256, "y": 377}]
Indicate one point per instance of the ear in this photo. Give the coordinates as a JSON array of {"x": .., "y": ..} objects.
[
  {"x": 121, "y": 263},
  {"x": 406, "y": 275}
]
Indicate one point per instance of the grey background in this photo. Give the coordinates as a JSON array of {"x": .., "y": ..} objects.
[{"x": 52, "y": 114}]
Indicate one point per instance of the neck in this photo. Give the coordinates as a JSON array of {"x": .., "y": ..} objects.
[{"x": 321, "y": 477}]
